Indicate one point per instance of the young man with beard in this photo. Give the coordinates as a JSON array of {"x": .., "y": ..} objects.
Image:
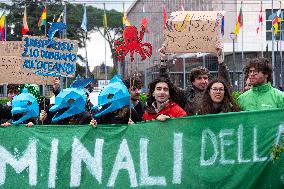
[
  {"x": 262, "y": 96},
  {"x": 199, "y": 77},
  {"x": 134, "y": 85},
  {"x": 161, "y": 102}
]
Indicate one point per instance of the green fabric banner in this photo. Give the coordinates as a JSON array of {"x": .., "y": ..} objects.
[{"x": 213, "y": 151}]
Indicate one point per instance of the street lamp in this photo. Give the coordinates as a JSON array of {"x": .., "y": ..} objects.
[{"x": 233, "y": 36}]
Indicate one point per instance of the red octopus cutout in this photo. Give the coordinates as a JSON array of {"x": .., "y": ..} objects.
[{"x": 133, "y": 42}]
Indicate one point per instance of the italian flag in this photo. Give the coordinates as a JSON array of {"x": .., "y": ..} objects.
[{"x": 42, "y": 19}]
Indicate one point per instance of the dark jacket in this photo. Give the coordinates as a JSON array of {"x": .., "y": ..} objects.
[
  {"x": 114, "y": 118},
  {"x": 188, "y": 99},
  {"x": 79, "y": 119},
  {"x": 5, "y": 113},
  {"x": 140, "y": 109}
]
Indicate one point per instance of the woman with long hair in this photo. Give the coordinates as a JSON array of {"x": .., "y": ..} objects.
[{"x": 217, "y": 99}]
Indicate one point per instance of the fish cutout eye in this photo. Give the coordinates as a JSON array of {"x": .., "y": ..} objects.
[
  {"x": 110, "y": 96},
  {"x": 29, "y": 103},
  {"x": 70, "y": 101}
]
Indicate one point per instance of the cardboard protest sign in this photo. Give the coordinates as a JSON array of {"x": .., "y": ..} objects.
[
  {"x": 49, "y": 58},
  {"x": 11, "y": 70},
  {"x": 192, "y": 31}
]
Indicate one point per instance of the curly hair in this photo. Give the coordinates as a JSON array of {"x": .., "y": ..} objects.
[
  {"x": 196, "y": 72},
  {"x": 152, "y": 85},
  {"x": 227, "y": 104},
  {"x": 135, "y": 81},
  {"x": 260, "y": 64},
  {"x": 13, "y": 88}
]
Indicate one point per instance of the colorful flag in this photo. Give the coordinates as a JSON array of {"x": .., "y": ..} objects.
[
  {"x": 42, "y": 19},
  {"x": 275, "y": 22},
  {"x": 60, "y": 16},
  {"x": 2, "y": 27},
  {"x": 25, "y": 27},
  {"x": 165, "y": 17},
  {"x": 223, "y": 26},
  {"x": 84, "y": 20},
  {"x": 105, "y": 21},
  {"x": 260, "y": 19},
  {"x": 239, "y": 23}
]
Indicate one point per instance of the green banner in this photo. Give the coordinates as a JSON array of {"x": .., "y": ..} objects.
[{"x": 213, "y": 151}]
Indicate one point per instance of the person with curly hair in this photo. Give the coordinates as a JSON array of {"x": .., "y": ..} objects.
[
  {"x": 217, "y": 99},
  {"x": 262, "y": 96},
  {"x": 161, "y": 102}
]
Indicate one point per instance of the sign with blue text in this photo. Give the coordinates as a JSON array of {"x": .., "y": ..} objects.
[{"x": 56, "y": 58}]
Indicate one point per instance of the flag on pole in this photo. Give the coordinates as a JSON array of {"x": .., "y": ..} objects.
[
  {"x": 239, "y": 22},
  {"x": 2, "y": 27},
  {"x": 125, "y": 20},
  {"x": 223, "y": 25},
  {"x": 105, "y": 21},
  {"x": 260, "y": 19},
  {"x": 165, "y": 17},
  {"x": 275, "y": 22},
  {"x": 60, "y": 16},
  {"x": 84, "y": 20},
  {"x": 42, "y": 19},
  {"x": 25, "y": 27}
]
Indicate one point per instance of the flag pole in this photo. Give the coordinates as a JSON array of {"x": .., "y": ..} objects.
[
  {"x": 242, "y": 47},
  {"x": 281, "y": 64},
  {"x": 272, "y": 47},
  {"x": 45, "y": 19},
  {"x": 261, "y": 31},
  {"x": 5, "y": 33},
  {"x": 105, "y": 42}
]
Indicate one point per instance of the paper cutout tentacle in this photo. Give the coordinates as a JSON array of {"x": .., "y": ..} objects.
[
  {"x": 132, "y": 42},
  {"x": 24, "y": 107}
]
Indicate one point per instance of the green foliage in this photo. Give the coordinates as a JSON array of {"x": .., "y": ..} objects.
[
  {"x": 143, "y": 97},
  {"x": 54, "y": 8},
  {"x": 278, "y": 149},
  {"x": 4, "y": 100}
]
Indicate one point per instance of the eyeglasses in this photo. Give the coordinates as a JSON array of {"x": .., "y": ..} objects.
[{"x": 215, "y": 90}]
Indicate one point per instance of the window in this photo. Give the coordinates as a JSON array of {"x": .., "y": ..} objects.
[{"x": 269, "y": 25}]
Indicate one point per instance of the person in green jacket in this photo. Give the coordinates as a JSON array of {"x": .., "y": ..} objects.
[{"x": 262, "y": 96}]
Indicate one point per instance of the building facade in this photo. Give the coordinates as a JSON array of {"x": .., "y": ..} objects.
[{"x": 248, "y": 44}]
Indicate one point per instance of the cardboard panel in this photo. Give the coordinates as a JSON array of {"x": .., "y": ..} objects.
[{"x": 193, "y": 31}]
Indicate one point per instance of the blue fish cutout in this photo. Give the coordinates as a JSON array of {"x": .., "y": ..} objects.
[
  {"x": 113, "y": 97},
  {"x": 55, "y": 27},
  {"x": 69, "y": 102},
  {"x": 24, "y": 107},
  {"x": 81, "y": 82}
]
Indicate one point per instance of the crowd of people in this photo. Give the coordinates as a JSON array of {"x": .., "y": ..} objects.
[{"x": 119, "y": 102}]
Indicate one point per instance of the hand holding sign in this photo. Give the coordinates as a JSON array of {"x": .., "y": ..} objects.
[{"x": 192, "y": 32}]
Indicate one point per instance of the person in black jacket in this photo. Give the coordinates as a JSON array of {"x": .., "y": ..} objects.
[
  {"x": 134, "y": 85},
  {"x": 199, "y": 77}
]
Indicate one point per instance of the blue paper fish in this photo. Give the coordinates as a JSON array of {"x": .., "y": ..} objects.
[
  {"x": 69, "y": 102},
  {"x": 55, "y": 27},
  {"x": 24, "y": 107},
  {"x": 113, "y": 97}
]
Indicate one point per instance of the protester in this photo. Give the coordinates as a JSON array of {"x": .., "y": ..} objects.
[
  {"x": 69, "y": 108},
  {"x": 6, "y": 115},
  {"x": 161, "y": 103},
  {"x": 199, "y": 77},
  {"x": 262, "y": 96},
  {"x": 134, "y": 85},
  {"x": 217, "y": 99},
  {"x": 114, "y": 105}
]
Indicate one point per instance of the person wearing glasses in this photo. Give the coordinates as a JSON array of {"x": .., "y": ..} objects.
[
  {"x": 217, "y": 99},
  {"x": 262, "y": 96}
]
